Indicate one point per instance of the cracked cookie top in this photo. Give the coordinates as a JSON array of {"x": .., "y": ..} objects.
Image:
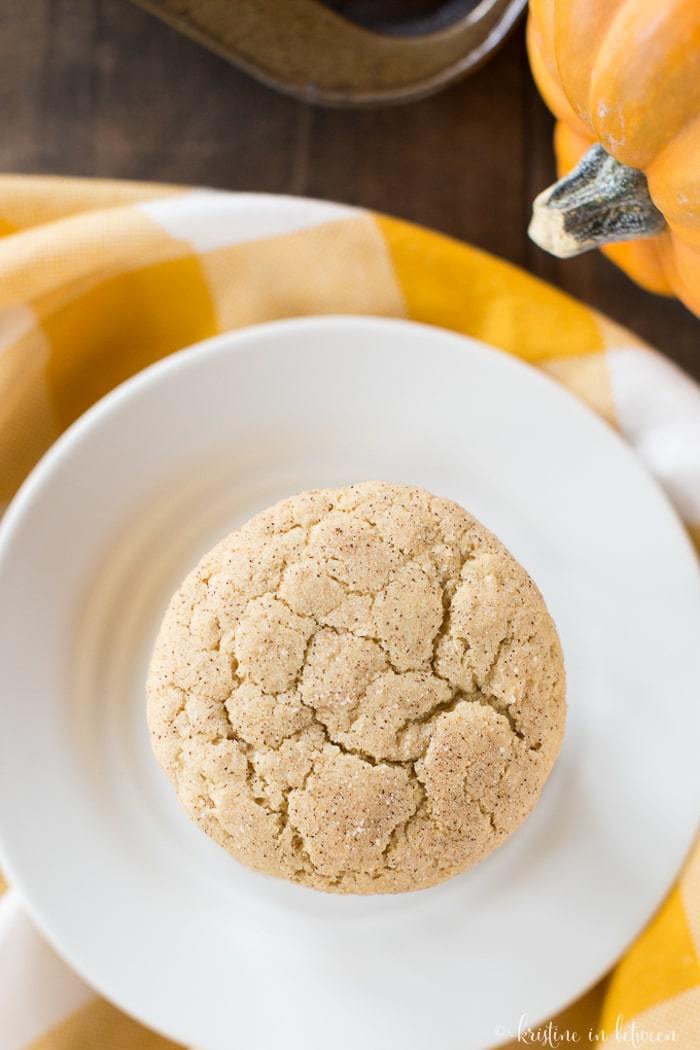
[{"x": 360, "y": 690}]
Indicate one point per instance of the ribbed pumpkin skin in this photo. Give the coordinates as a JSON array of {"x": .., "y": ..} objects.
[{"x": 626, "y": 74}]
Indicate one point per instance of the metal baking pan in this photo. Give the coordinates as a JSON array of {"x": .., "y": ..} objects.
[{"x": 347, "y": 52}]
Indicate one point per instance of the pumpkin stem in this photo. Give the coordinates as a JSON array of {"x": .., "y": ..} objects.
[{"x": 600, "y": 201}]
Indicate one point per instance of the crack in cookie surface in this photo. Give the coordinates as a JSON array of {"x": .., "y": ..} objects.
[{"x": 360, "y": 690}]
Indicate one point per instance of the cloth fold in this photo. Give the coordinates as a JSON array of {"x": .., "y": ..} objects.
[{"x": 99, "y": 279}]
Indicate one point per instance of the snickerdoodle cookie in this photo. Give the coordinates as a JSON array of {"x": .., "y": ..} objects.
[{"x": 360, "y": 690}]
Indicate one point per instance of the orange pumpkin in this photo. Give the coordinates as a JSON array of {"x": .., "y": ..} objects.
[{"x": 625, "y": 75}]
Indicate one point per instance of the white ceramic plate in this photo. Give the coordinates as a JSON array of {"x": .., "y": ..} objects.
[{"x": 153, "y": 913}]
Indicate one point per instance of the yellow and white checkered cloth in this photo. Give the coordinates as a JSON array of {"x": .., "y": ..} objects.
[{"x": 99, "y": 279}]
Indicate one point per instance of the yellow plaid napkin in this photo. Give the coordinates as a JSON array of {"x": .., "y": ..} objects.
[{"x": 99, "y": 279}]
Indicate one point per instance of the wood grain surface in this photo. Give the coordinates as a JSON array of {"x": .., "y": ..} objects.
[{"x": 98, "y": 87}]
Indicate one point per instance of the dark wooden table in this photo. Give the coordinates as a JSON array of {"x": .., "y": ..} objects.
[{"x": 98, "y": 87}]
